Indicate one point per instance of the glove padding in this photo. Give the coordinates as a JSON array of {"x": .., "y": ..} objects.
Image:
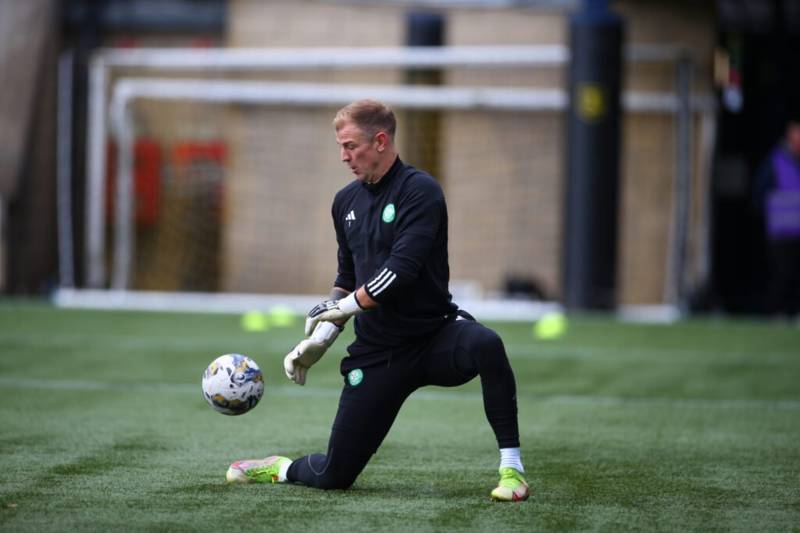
[
  {"x": 333, "y": 311},
  {"x": 309, "y": 351}
]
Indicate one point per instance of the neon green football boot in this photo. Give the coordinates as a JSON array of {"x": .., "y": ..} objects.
[
  {"x": 512, "y": 487},
  {"x": 257, "y": 470}
]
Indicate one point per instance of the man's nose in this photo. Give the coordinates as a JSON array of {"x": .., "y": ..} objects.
[{"x": 345, "y": 156}]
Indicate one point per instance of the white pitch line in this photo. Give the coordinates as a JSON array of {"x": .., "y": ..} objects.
[{"x": 434, "y": 394}]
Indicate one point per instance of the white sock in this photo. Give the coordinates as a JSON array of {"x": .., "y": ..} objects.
[
  {"x": 282, "y": 471},
  {"x": 510, "y": 457}
]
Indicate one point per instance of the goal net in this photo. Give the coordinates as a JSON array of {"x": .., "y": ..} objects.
[
  {"x": 224, "y": 184},
  {"x": 257, "y": 217}
]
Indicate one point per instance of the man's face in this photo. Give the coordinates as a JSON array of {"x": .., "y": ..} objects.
[{"x": 358, "y": 152}]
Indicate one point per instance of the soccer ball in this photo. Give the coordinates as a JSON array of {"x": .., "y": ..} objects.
[{"x": 233, "y": 384}]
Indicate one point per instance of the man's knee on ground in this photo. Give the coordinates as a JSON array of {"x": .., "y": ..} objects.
[
  {"x": 335, "y": 482},
  {"x": 341, "y": 473}
]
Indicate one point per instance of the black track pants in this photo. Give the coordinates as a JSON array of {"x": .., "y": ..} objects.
[{"x": 372, "y": 397}]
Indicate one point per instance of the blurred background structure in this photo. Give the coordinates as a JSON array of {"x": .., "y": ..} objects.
[{"x": 186, "y": 145}]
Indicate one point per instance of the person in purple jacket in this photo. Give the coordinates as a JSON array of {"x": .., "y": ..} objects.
[{"x": 777, "y": 193}]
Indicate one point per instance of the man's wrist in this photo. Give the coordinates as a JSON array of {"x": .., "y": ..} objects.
[
  {"x": 337, "y": 293},
  {"x": 350, "y": 305}
]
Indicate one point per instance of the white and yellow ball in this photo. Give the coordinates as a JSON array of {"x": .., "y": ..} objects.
[{"x": 233, "y": 384}]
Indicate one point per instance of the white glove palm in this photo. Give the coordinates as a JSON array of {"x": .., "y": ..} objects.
[{"x": 309, "y": 351}]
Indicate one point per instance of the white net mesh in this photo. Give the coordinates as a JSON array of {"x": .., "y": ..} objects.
[{"x": 258, "y": 219}]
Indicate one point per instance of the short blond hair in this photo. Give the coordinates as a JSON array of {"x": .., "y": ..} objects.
[{"x": 370, "y": 116}]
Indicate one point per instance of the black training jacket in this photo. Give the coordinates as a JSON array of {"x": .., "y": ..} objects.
[{"x": 392, "y": 236}]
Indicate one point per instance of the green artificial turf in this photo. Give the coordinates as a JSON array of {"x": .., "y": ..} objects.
[{"x": 692, "y": 426}]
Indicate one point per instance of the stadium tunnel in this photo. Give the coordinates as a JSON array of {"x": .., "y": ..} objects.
[{"x": 758, "y": 87}]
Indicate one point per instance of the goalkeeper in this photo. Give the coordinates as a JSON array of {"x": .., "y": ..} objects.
[{"x": 391, "y": 228}]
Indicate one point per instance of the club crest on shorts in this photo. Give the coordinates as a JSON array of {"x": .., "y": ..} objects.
[
  {"x": 355, "y": 377},
  {"x": 388, "y": 213}
]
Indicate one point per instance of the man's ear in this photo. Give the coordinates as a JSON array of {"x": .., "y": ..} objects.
[{"x": 381, "y": 141}]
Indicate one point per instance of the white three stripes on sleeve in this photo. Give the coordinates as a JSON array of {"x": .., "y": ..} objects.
[{"x": 381, "y": 282}]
